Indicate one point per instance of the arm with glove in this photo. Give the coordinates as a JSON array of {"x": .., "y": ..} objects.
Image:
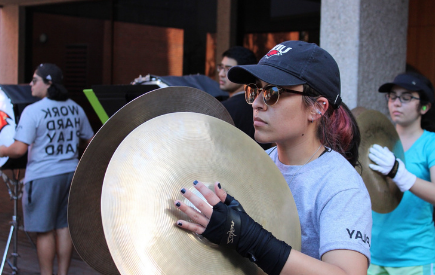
[
  {"x": 387, "y": 164},
  {"x": 228, "y": 224}
]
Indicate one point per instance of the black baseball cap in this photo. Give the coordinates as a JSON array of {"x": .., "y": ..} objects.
[
  {"x": 52, "y": 73},
  {"x": 411, "y": 82},
  {"x": 294, "y": 63}
]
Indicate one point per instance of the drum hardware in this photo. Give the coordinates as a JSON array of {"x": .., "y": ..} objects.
[{"x": 15, "y": 192}]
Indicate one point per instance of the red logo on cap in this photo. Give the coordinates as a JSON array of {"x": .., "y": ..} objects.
[
  {"x": 278, "y": 50},
  {"x": 3, "y": 122},
  {"x": 272, "y": 52}
]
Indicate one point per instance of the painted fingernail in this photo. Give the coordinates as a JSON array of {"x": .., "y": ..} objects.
[
  {"x": 183, "y": 190},
  {"x": 179, "y": 224},
  {"x": 219, "y": 185},
  {"x": 178, "y": 204},
  {"x": 195, "y": 182}
]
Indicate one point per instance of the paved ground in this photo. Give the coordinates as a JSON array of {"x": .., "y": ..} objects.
[{"x": 27, "y": 262}]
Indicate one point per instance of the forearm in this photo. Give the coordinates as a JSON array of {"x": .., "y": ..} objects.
[
  {"x": 348, "y": 263},
  {"x": 10, "y": 152},
  {"x": 251, "y": 240},
  {"x": 424, "y": 190},
  {"x": 15, "y": 150}
]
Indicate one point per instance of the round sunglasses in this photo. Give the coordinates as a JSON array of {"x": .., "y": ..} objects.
[{"x": 270, "y": 93}]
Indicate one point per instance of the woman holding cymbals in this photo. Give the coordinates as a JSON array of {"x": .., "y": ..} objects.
[
  {"x": 295, "y": 95},
  {"x": 408, "y": 231}
]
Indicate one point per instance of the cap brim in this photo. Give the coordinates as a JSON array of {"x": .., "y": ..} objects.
[
  {"x": 427, "y": 94},
  {"x": 387, "y": 87},
  {"x": 246, "y": 74}
]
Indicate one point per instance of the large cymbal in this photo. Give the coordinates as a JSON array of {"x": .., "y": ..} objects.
[
  {"x": 84, "y": 207},
  {"x": 376, "y": 128},
  {"x": 145, "y": 176}
]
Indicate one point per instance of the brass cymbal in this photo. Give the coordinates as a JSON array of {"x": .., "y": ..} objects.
[
  {"x": 145, "y": 176},
  {"x": 376, "y": 128},
  {"x": 84, "y": 209}
]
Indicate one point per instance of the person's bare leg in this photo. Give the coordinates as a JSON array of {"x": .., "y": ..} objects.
[
  {"x": 46, "y": 250},
  {"x": 64, "y": 250}
]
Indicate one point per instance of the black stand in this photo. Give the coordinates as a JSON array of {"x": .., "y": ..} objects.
[
  {"x": 20, "y": 96},
  {"x": 15, "y": 194}
]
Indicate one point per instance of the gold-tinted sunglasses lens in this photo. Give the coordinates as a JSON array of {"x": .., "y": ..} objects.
[
  {"x": 251, "y": 92},
  {"x": 270, "y": 95}
]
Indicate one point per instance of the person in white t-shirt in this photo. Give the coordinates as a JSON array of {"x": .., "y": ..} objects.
[{"x": 50, "y": 130}]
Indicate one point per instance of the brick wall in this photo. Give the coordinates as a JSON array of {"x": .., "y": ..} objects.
[
  {"x": 421, "y": 37},
  {"x": 113, "y": 53},
  {"x": 140, "y": 49}
]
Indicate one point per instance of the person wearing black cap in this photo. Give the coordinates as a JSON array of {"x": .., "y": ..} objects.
[
  {"x": 408, "y": 231},
  {"x": 50, "y": 130},
  {"x": 295, "y": 95},
  {"x": 240, "y": 111}
]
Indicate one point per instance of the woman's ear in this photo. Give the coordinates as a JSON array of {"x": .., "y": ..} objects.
[
  {"x": 319, "y": 109},
  {"x": 425, "y": 108},
  {"x": 321, "y": 106}
]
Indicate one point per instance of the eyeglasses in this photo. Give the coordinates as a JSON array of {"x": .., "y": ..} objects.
[
  {"x": 34, "y": 80},
  {"x": 221, "y": 67},
  {"x": 404, "y": 98},
  {"x": 270, "y": 93}
]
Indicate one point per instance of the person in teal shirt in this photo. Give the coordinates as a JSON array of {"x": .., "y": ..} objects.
[{"x": 403, "y": 241}]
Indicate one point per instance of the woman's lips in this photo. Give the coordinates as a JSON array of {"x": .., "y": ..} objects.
[{"x": 258, "y": 121}]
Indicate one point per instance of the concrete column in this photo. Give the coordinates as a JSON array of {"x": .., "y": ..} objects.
[
  {"x": 368, "y": 40},
  {"x": 9, "y": 38},
  {"x": 225, "y": 27}
]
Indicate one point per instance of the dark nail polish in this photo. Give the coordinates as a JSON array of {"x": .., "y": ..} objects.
[
  {"x": 183, "y": 190},
  {"x": 219, "y": 185},
  {"x": 195, "y": 182},
  {"x": 178, "y": 204},
  {"x": 179, "y": 224}
]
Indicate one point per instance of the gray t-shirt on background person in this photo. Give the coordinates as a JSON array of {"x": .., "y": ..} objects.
[
  {"x": 53, "y": 130},
  {"x": 333, "y": 204}
]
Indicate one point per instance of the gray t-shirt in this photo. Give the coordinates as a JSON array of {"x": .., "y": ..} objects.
[
  {"x": 52, "y": 129},
  {"x": 333, "y": 204}
]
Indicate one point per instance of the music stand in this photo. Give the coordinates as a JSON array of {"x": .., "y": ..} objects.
[
  {"x": 114, "y": 97},
  {"x": 20, "y": 96}
]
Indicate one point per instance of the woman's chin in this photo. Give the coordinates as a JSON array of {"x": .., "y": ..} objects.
[{"x": 261, "y": 139}]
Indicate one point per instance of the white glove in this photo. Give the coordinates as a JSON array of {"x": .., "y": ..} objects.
[
  {"x": 404, "y": 179},
  {"x": 383, "y": 158},
  {"x": 385, "y": 161}
]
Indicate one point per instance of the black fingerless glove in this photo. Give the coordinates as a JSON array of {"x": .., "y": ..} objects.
[{"x": 230, "y": 225}]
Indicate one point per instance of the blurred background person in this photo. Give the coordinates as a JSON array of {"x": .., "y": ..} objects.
[{"x": 240, "y": 111}]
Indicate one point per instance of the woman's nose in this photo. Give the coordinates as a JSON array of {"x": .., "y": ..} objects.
[
  {"x": 397, "y": 101},
  {"x": 259, "y": 102}
]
